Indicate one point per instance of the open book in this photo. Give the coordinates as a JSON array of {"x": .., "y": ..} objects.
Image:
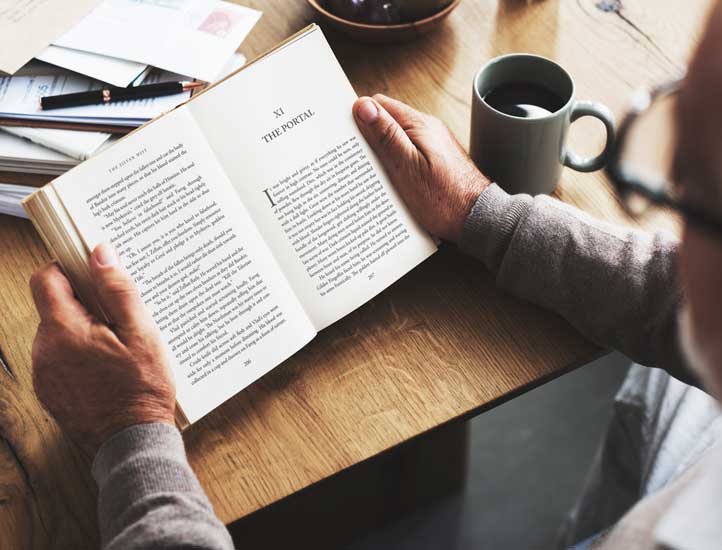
[{"x": 251, "y": 217}]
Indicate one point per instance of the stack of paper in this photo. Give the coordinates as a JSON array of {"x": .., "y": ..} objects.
[
  {"x": 49, "y": 151},
  {"x": 11, "y": 198},
  {"x": 96, "y": 44},
  {"x": 114, "y": 41},
  {"x": 18, "y": 155},
  {"x": 191, "y": 37}
]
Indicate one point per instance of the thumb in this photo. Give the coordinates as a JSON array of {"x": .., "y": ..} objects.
[
  {"x": 118, "y": 295},
  {"x": 383, "y": 133}
]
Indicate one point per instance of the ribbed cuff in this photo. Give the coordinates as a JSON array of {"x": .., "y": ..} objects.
[
  {"x": 137, "y": 442},
  {"x": 490, "y": 226}
]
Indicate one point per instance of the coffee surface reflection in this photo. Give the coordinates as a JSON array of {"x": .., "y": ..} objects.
[{"x": 524, "y": 100}]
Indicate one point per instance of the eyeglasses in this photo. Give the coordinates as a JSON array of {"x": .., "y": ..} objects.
[{"x": 642, "y": 166}]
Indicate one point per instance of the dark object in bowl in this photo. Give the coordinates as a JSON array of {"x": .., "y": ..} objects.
[
  {"x": 372, "y": 12},
  {"x": 396, "y": 32},
  {"x": 413, "y": 10}
]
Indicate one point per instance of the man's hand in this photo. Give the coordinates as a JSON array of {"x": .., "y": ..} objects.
[
  {"x": 97, "y": 379},
  {"x": 433, "y": 174}
]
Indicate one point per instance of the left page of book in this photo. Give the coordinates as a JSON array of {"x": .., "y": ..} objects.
[{"x": 225, "y": 310}]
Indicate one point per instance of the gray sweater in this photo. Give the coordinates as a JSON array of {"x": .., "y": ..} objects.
[{"x": 614, "y": 284}]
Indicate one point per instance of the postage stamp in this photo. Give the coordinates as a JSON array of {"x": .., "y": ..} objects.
[{"x": 219, "y": 23}]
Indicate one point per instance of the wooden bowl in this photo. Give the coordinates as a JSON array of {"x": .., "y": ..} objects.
[{"x": 383, "y": 34}]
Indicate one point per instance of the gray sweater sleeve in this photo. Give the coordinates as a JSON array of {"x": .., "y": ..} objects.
[
  {"x": 149, "y": 497},
  {"x": 616, "y": 285}
]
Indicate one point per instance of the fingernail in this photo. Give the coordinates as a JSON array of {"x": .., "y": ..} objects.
[
  {"x": 106, "y": 255},
  {"x": 367, "y": 111}
]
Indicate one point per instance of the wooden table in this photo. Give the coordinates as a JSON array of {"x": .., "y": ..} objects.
[{"x": 440, "y": 345}]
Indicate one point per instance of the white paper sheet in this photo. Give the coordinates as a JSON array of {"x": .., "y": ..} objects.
[
  {"x": 234, "y": 63},
  {"x": 75, "y": 144},
  {"x": 28, "y": 26},
  {"x": 20, "y": 155},
  {"x": 191, "y": 37},
  {"x": 118, "y": 72},
  {"x": 18, "y": 149}
]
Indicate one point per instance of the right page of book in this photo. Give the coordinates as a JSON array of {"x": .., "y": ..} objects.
[{"x": 284, "y": 133}]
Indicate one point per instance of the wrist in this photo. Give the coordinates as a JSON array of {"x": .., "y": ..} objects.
[
  {"x": 468, "y": 195},
  {"x": 491, "y": 225}
]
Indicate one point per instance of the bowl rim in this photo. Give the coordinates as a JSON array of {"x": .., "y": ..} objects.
[{"x": 444, "y": 11}]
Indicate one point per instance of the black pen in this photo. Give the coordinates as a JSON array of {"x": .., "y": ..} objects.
[{"x": 112, "y": 94}]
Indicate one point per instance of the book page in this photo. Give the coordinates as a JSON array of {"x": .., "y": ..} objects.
[
  {"x": 283, "y": 130},
  {"x": 224, "y": 308}
]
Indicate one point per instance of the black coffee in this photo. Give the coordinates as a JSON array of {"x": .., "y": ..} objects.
[{"x": 524, "y": 100}]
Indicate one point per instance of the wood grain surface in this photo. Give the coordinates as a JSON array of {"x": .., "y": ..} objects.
[{"x": 439, "y": 345}]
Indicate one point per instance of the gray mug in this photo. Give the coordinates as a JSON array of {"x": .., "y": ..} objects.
[{"x": 526, "y": 155}]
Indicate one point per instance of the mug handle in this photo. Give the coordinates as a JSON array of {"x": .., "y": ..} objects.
[{"x": 599, "y": 111}]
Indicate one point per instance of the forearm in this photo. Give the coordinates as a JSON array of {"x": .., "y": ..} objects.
[
  {"x": 149, "y": 497},
  {"x": 616, "y": 285}
]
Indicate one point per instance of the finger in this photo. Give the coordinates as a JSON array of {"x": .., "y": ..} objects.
[
  {"x": 116, "y": 291},
  {"x": 383, "y": 133},
  {"x": 407, "y": 117},
  {"x": 54, "y": 297},
  {"x": 423, "y": 130}
]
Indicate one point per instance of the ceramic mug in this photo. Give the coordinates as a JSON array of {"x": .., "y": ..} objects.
[{"x": 526, "y": 155}]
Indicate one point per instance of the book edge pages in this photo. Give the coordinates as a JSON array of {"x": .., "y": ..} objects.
[{"x": 181, "y": 420}]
